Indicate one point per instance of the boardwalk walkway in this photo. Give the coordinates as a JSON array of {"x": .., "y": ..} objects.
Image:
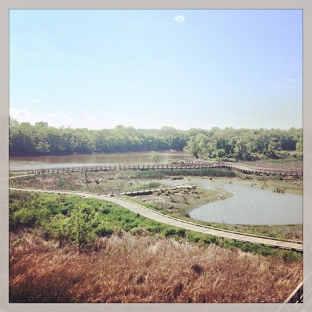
[
  {"x": 184, "y": 166},
  {"x": 148, "y": 213}
]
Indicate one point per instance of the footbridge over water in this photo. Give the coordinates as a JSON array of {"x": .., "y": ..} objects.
[{"x": 183, "y": 166}]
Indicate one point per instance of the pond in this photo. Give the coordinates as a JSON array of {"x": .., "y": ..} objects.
[
  {"x": 47, "y": 162},
  {"x": 250, "y": 205}
]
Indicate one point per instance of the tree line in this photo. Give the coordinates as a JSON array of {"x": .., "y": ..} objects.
[
  {"x": 26, "y": 139},
  {"x": 41, "y": 139},
  {"x": 245, "y": 144}
]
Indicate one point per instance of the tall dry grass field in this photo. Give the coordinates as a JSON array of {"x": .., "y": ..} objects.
[{"x": 127, "y": 268}]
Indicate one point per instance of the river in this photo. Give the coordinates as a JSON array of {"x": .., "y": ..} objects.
[{"x": 47, "y": 162}]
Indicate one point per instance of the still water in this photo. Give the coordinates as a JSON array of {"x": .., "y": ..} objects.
[
  {"x": 46, "y": 162},
  {"x": 250, "y": 205}
]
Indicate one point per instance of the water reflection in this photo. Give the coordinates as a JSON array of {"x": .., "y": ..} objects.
[{"x": 142, "y": 158}]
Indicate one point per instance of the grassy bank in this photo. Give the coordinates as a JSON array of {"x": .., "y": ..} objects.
[{"x": 69, "y": 249}]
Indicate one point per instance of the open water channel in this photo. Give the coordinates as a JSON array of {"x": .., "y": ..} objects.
[{"x": 248, "y": 205}]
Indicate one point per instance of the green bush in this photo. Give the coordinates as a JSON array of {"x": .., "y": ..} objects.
[
  {"x": 290, "y": 256},
  {"x": 150, "y": 185},
  {"x": 103, "y": 230},
  {"x": 194, "y": 237},
  {"x": 272, "y": 235},
  {"x": 169, "y": 231},
  {"x": 137, "y": 230},
  {"x": 24, "y": 218},
  {"x": 61, "y": 183}
]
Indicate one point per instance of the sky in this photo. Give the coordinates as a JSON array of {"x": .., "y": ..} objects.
[{"x": 97, "y": 69}]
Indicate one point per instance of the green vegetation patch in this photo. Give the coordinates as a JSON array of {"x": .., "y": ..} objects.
[
  {"x": 80, "y": 221},
  {"x": 162, "y": 173}
]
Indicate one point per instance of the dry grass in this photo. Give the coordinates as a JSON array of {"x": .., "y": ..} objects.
[
  {"x": 99, "y": 182},
  {"x": 128, "y": 268},
  {"x": 282, "y": 164}
]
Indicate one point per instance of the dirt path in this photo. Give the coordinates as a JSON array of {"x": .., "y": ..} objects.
[{"x": 143, "y": 211}]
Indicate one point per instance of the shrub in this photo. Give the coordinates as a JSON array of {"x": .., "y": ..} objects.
[
  {"x": 272, "y": 235},
  {"x": 104, "y": 230},
  {"x": 290, "y": 256},
  {"x": 136, "y": 230},
  {"x": 61, "y": 183},
  {"x": 194, "y": 237},
  {"x": 169, "y": 231},
  {"x": 24, "y": 218}
]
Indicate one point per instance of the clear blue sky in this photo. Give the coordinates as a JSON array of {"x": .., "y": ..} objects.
[{"x": 152, "y": 68}]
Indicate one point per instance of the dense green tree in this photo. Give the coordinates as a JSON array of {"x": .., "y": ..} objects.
[
  {"x": 199, "y": 146},
  {"x": 242, "y": 144},
  {"x": 22, "y": 139},
  {"x": 299, "y": 145},
  {"x": 229, "y": 143}
]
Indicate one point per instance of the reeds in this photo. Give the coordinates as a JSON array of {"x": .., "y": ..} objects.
[{"x": 127, "y": 268}]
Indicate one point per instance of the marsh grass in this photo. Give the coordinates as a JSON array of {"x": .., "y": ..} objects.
[
  {"x": 105, "y": 181},
  {"x": 127, "y": 268},
  {"x": 290, "y": 163}
]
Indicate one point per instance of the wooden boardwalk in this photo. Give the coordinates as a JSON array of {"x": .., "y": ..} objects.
[
  {"x": 185, "y": 166},
  {"x": 148, "y": 213}
]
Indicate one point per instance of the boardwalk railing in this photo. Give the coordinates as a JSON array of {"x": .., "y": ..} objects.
[
  {"x": 184, "y": 166},
  {"x": 297, "y": 295}
]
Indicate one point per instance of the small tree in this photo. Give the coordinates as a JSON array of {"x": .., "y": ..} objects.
[
  {"x": 59, "y": 226},
  {"x": 78, "y": 228},
  {"x": 154, "y": 157},
  {"x": 81, "y": 224}
]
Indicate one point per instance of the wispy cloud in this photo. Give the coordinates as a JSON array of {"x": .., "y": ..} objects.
[
  {"x": 32, "y": 101},
  {"x": 19, "y": 113},
  {"x": 179, "y": 18}
]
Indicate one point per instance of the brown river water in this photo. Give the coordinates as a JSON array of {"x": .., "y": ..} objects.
[{"x": 46, "y": 162}]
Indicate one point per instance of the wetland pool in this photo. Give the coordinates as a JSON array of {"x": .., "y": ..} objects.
[{"x": 248, "y": 205}]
